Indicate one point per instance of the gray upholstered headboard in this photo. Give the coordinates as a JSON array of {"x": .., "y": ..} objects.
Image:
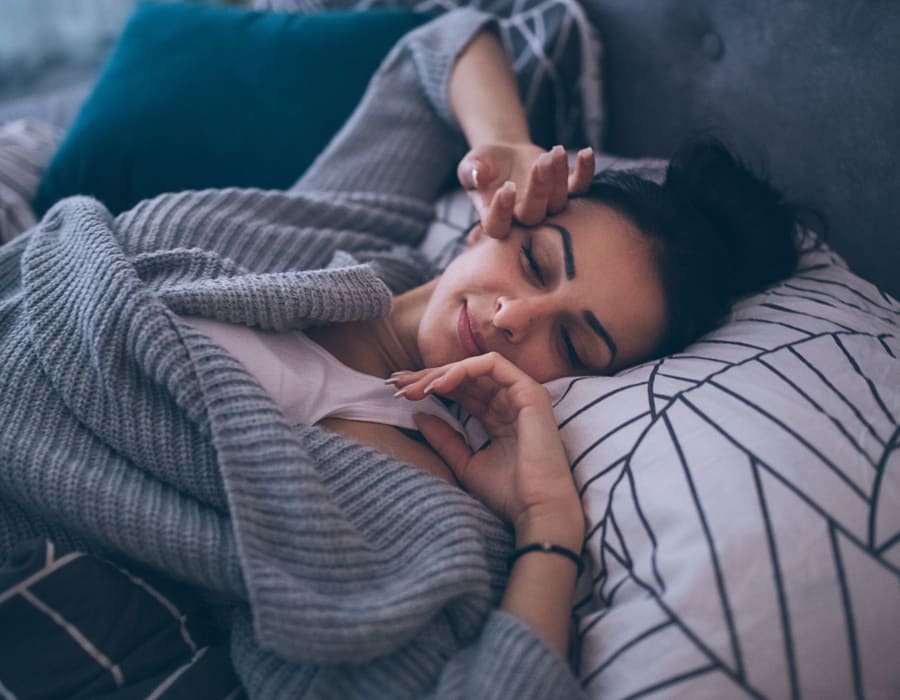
[{"x": 808, "y": 90}]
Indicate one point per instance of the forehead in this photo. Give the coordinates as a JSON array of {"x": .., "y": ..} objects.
[
  {"x": 598, "y": 228},
  {"x": 603, "y": 239}
]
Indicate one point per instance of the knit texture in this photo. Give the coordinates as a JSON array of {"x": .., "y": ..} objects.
[{"x": 126, "y": 431}]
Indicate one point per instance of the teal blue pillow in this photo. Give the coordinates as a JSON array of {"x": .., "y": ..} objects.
[{"x": 195, "y": 96}]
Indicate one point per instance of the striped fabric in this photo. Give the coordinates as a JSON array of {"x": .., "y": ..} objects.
[
  {"x": 742, "y": 496},
  {"x": 744, "y": 502},
  {"x": 85, "y": 627},
  {"x": 26, "y": 146}
]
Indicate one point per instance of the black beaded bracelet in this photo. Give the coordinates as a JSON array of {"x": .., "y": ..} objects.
[{"x": 552, "y": 549}]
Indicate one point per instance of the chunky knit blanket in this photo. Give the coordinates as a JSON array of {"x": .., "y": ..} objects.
[{"x": 343, "y": 572}]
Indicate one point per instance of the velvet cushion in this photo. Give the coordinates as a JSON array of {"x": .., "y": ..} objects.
[{"x": 194, "y": 97}]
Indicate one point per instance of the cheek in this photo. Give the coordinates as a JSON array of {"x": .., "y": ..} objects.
[
  {"x": 436, "y": 325},
  {"x": 541, "y": 362}
]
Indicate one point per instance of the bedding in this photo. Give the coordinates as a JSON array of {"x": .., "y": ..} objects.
[
  {"x": 743, "y": 499},
  {"x": 127, "y": 632},
  {"x": 346, "y": 572},
  {"x": 742, "y": 496}
]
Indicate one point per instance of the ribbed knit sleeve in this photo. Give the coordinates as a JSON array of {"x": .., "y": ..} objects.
[
  {"x": 507, "y": 661},
  {"x": 402, "y": 140}
]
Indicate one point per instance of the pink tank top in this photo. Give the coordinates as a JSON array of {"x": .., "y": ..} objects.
[{"x": 308, "y": 383}]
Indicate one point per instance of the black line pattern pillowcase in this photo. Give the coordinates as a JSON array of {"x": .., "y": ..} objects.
[{"x": 742, "y": 497}]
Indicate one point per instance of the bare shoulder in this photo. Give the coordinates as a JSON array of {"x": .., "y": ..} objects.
[{"x": 392, "y": 441}]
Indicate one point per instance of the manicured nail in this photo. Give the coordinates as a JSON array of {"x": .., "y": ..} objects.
[
  {"x": 392, "y": 380},
  {"x": 400, "y": 393},
  {"x": 475, "y": 176},
  {"x": 558, "y": 149},
  {"x": 400, "y": 373},
  {"x": 509, "y": 186},
  {"x": 584, "y": 152},
  {"x": 431, "y": 386}
]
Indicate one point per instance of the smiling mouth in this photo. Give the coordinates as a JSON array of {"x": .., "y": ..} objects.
[{"x": 472, "y": 343}]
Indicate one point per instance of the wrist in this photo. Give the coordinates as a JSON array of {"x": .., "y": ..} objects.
[
  {"x": 491, "y": 134},
  {"x": 563, "y": 526},
  {"x": 551, "y": 549}
]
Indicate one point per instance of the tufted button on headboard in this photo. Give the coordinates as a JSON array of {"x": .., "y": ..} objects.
[{"x": 807, "y": 91}]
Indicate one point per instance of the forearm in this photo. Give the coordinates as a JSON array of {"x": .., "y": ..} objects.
[
  {"x": 541, "y": 585},
  {"x": 484, "y": 95}
]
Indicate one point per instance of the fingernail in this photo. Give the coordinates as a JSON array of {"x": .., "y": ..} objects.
[
  {"x": 586, "y": 151},
  {"x": 509, "y": 185},
  {"x": 391, "y": 380},
  {"x": 430, "y": 387},
  {"x": 402, "y": 392},
  {"x": 400, "y": 372},
  {"x": 475, "y": 176},
  {"x": 558, "y": 149}
]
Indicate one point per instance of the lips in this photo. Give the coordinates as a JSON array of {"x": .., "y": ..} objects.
[{"x": 471, "y": 341}]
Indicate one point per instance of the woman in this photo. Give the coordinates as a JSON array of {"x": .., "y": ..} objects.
[
  {"x": 293, "y": 521},
  {"x": 659, "y": 266}
]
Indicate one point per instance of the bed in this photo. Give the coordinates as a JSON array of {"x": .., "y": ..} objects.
[{"x": 743, "y": 496}]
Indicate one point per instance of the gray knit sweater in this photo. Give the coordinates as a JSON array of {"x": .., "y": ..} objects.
[{"x": 122, "y": 430}]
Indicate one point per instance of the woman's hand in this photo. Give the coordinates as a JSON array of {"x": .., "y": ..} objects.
[
  {"x": 521, "y": 181},
  {"x": 522, "y": 474}
]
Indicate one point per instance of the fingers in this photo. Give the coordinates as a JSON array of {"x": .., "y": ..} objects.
[
  {"x": 444, "y": 440},
  {"x": 474, "y": 173},
  {"x": 559, "y": 173},
  {"x": 579, "y": 179},
  {"x": 496, "y": 222},
  {"x": 481, "y": 376},
  {"x": 521, "y": 182},
  {"x": 550, "y": 183},
  {"x": 531, "y": 208}
]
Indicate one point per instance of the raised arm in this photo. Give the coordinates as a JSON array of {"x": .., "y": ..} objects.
[
  {"x": 447, "y": 86},
  {"x": 506, "y": 174}
]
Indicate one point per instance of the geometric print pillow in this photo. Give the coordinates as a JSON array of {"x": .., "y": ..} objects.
[
  {"x": 742, "y": 496},
  {"x": 743, "y": 502}
]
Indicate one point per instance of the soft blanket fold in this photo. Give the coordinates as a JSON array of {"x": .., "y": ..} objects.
[
  {"x": 177, "y": 420},
  {"x": 126, "y": 431}
]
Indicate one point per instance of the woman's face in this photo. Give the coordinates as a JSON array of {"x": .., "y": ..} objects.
[{"x": 577, "y": 294}]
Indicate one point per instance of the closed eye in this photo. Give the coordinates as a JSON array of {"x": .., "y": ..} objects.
[
  {"x": 535, "y": 269},
  {"x": 573, "y": 358}
]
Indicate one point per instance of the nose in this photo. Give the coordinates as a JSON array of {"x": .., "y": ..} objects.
[{"x": 517, "y": 317}]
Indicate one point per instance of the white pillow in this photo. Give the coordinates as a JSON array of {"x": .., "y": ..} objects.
[{"x": 743, "y": 500}]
